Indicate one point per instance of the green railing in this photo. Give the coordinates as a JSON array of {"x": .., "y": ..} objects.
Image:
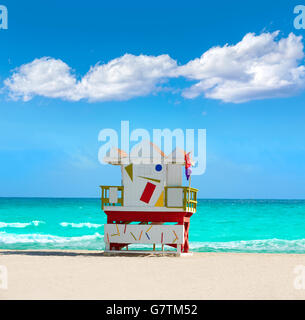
[
  {"x": 105, "y": 196},
  {"x": 189, "y": 198},
  {"x": 189, "y": 195}
]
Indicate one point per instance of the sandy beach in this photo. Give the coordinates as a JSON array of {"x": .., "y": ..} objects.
[{"x": 92, "y": 275}]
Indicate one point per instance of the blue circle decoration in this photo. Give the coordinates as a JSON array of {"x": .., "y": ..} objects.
[{"x": 158, "y": 167}]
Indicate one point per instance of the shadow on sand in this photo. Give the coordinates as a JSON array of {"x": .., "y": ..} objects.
[{"x": 72, "y": 253}]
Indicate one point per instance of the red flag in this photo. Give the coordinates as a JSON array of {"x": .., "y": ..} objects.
[
  {"x": 188, "y": 164},
  {"x": 187, "y": 160}
]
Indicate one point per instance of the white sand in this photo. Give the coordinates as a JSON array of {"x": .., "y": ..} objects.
[{"x": 91, "y": 275}]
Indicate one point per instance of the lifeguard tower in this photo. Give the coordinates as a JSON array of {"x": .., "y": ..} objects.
[{"x": 151, "y": 207}]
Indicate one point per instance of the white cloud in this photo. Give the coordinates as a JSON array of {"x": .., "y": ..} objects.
[
  {"x": 120, "y": 79},
  {"x": 44, "y": 77},
  {"x": 257, "y": 67},
  {"x": 126, "y": 77}
]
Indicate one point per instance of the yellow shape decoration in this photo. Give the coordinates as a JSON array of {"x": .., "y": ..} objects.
[
  {"x": 118, "y": 229},
  {"x": 116, "y": 234},
  {"x": 151, "y": 179},
  {"x": 129, "y": 170},
  {"x": 176, "y": 237},
  {"x": 133, "y": 235},
  {"x": 160, "y": 202}
]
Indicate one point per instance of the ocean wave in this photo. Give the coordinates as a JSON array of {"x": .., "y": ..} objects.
[
  {"x": 20, "y": 224},
  {"x": 13, "y": 238},
  {"x": 96, "y": 242},
  {"x": 81, "y": 225},
  {"x": 264, "y": 246}
]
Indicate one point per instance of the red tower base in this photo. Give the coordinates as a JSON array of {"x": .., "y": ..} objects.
[{"x": 144, "y": 217}]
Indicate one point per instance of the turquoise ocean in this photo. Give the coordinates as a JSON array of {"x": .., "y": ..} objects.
[{"x": 266, "y": 226}]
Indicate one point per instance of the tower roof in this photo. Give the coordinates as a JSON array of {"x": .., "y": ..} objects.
[
  {"x": 177, "y": 156},
  {"x": 115, "y": 156},
  {"x": 145, "y": 152}
]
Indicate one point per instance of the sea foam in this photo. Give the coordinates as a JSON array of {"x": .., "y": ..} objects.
[
  {"x": 20, "y": 224},
  {"x": 81, "y": 225},
  {"x": 54, "y": 241},
  {"x": 263, "y": 246}
]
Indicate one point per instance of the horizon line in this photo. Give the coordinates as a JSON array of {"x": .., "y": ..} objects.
[{"x": 95, "y": 198}]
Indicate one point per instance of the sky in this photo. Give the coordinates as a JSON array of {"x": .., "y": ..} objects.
[{"x": 69, "y": 69}]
